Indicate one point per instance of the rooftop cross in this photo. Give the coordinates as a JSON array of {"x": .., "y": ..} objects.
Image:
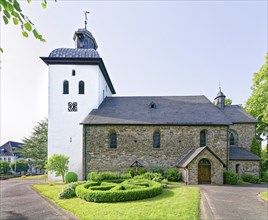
[{"x": 86, "y": 12}]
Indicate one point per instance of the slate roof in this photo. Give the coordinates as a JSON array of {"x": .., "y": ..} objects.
[
  {"x": 177, "y": 110},
  {"x": 237, "y": 115},
  {"x": 192, "y": 154},
  {"x": 74, "y": 53},
  {"x": 240, "y": 153},
  {"x": 9, "y": 148}
]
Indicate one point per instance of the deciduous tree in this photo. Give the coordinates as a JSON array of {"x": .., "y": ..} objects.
[
  {"x": 257, "y": 104},
  {"x": 59, "y": 164},
  {"x": 20, "y": 165},
  {"x": 4, "y": 166},
  {"x": 12, "y": 12}
]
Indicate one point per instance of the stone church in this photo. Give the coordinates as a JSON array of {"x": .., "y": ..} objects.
[{"x": 102, "y": 132}]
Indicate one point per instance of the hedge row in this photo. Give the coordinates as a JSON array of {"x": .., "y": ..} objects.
[
  {"x": 104, "y": 176},
  {"x": 121, "y": 192}
]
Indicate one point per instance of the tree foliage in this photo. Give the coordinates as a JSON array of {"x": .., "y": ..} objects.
[
  {"x": 12, "y": 12},
  {"x": 226, "y": 102},
  {"x": 35, "y": 146},
  {"x": 20, "y": 165},
  {"x": 59, "y": 164},
  {"x": 257, "y": 104},
  {"x": 264, "y": 159},
  {"x": 4, "y": 167},
  {"x": 255, "y": 147}
]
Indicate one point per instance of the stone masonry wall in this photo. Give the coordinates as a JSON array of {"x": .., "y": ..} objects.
[
  {"x": 135, "y": 143},
  {"x": 251, "y": 167},
  {"x": 245, "y": 132}
]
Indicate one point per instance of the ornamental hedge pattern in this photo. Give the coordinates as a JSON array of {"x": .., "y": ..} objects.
[{"x": 126, "y": 191}]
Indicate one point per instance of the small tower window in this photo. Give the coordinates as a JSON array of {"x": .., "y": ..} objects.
[
  {"x": 65, "y": 87},
  {"x": 73, "y": 72},
  {"x": 156, "y": 139},
  {"x": 203, "y": 138},
  {"x": 113, "y": 140},
  {"x": 152, "y": 105},
  {"x": 81, "y": 87}
]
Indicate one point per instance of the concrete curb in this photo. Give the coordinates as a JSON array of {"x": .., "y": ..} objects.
[{"x": 206, "y": 211}]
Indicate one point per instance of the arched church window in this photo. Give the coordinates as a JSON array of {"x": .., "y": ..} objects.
[
  {"x": 65, "y": 87},
  {"x": 156, "y": 139},
  {"x": 81, "y": 87},
  {"x": 113, "y": 140},
  {"x": 233, "y": 139},
  {"x": 203, "y": 138}
]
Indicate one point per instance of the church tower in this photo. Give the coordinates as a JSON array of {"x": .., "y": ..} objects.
[{"x": 77, "y": 83}]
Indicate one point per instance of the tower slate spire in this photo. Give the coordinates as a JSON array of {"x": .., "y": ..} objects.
[
  {"x": 220, "y": 99},
  {"x": 84, "y": 38}
]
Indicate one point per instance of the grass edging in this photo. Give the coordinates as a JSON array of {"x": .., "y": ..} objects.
[
  {"x": 173, "y": 203},
  {"x": 264, "y": 196},
  {"x": 54, "y": 204}
]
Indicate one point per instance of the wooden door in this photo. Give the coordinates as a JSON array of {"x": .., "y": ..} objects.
[{"x": 204, "y": 171}]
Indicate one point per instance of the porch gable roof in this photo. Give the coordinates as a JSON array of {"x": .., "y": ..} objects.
[{"x": 192, "y": 154}]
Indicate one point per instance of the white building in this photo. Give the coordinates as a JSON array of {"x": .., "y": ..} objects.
[
  {"x": 77, "y": 83},
  {"x": 9, "y": 151}
]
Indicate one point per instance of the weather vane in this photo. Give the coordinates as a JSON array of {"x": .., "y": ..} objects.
[
  {"x": 220, "y": 86},
  {"x": 86, "y": 12}
]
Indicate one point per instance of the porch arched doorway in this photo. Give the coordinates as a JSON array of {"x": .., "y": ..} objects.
[{"x": 204, "y": 171}]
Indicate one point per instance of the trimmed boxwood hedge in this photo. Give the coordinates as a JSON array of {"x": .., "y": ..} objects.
[
  {"x": 106, "y": 176},
  {"x": 140, "y": 189}
]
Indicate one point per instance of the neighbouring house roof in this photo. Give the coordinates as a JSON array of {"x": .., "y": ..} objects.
[
  {"x": 237, "y": 115},
  {"x": 192, "y": 154},
  {"x": 240, "y": 153},
  {"x": 10, "y": 148},
  {"x": 171, "y": 110}
]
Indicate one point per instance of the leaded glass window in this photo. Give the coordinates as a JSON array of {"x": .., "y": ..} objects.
[
  {"x": 113, "y": 140},
  {"x": 203, "y": 139},
  {"x": 65, "y": 87},
  {"x": 81, "y": 87},
  {"x": 233, "y": 139},
  {"x": 156, "y": 140}
]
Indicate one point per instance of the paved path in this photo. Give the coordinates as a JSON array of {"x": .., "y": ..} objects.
[
  {"x": 233, "y": 202},
  {"x": 19, "y": 201}
]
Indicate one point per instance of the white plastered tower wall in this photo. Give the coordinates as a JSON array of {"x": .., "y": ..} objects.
[{"x": 65, "y": 133}]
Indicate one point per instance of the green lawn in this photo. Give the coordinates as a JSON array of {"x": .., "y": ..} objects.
[
  {"x": 34, "y": 177},
  {"x": 173, "y": 204},
  {"x": 264, "y": 195}
]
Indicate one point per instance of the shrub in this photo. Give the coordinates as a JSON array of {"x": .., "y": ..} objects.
[
  {"x": 141, "y": 171},
  {"x": 264, "y": 176},
  {"x": 128, "y": 190},
  {"x": 69, "y": 190},
  {"x": 4, "y": 167},
  {"x": 71, "y": 177},
  {"x": 230, "y": 177},
  {"x": 130, "y": 171},
  {"x": 67, "y": 193},
  {"x": 249, "y": 178},
  {"x": 104, "y": 176},
  {"x": 157, "y": 177},
  {"x": 172, "y": 174},
  {"x": 158, "y": 170}
]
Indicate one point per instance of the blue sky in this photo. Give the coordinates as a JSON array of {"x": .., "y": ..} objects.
[{"x": 148, "y": 47}]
